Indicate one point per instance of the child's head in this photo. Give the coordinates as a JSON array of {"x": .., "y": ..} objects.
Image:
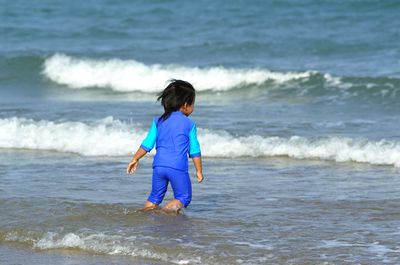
[{"x": 178, "y": 95}]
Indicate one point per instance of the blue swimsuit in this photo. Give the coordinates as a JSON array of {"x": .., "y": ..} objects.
[{"x": 174, "y": 139}]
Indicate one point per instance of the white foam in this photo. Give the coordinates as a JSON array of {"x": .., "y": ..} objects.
[
  {"x": 338, "y": 244},
  {"x": 110, "y": 137},
  {"x": 70, "y": 240},
  {"x": 376, "y": 248},
  {"x": 260, "y": 245},
  {"x": 381, "y": 250},
  {"x": 131, "y": 75}
]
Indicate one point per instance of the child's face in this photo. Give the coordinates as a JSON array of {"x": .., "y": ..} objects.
[{"x": 187, "y": 109}]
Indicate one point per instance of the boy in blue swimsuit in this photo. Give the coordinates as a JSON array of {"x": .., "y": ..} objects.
[{"x": 174, "y": 136}]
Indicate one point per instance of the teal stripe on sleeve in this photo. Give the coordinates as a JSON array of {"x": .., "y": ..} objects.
[
  {"x": 194, "y": 145},
  {"x": 150, "y": 140}
]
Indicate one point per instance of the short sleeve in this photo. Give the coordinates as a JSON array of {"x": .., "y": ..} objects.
[
  {"x": 194, "y": 145},
  {"x": 150, "y": 140}
]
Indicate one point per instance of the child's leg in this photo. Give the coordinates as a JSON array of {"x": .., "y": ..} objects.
[
  {"x": 158, "y": 189},
  {"x": 182, "y": 187}
]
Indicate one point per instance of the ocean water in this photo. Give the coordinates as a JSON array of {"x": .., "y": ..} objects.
[{"x": 297, "y": 114}]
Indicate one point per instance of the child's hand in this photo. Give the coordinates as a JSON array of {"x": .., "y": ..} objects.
[
  {"x": 199, "y": 177},
  {"x": 132, "y": 166}
]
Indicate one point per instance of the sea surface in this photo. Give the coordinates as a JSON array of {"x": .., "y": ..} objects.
[{"x": 297, "y": 112}]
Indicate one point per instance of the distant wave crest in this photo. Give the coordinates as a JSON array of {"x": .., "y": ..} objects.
[
  {"x": 110, "y": 137},
  {"x": 130, "y": 75}
]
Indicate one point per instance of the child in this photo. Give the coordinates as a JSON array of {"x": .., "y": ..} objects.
[{"x": 174, "y": 135}]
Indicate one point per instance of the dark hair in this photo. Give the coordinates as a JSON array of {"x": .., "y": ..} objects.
[{"x": 175, "y": 95}]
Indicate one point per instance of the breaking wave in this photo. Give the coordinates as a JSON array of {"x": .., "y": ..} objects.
[
  {"x": 130, "y": 75},
  {"x": 133, "y": 76},
  {"x": 110, "y": 137}
]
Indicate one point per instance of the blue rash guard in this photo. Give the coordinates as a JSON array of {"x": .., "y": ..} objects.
[{"x": 175, "y": 139}]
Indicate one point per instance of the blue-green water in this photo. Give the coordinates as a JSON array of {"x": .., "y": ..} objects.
[{"x": 298, "y": 120}]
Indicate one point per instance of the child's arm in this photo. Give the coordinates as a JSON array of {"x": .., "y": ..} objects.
[
  {"x": 195, "y": 153},
  {"x": 146, "y": 146},
  {"x": 135, "y": 160},
  {"x": 199, "y": 168}
]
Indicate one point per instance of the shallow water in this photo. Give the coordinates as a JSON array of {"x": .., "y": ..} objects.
[{"x": 274, "y": 210}]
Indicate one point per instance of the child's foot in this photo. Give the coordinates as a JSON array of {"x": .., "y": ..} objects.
[
  {"x": 173, "y": 207},
  {"x": 149, "y": 206}
]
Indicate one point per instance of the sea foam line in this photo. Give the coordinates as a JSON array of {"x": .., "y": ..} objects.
[
  {"x": 97, "y": 243},
  {"x": 131, "y": 75},
  {"x": 106, "y": 137},
  {"x": 110, "y": 137}
]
